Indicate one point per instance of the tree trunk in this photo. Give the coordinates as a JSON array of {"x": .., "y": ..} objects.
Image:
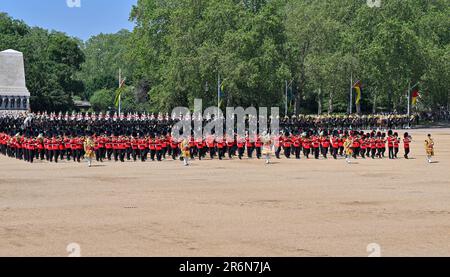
[
  {"x": 330, "y": 103},
  {"x": 301, "y": 79},
  {"x": 389, "y": 99},
  {"x": 374, "y": 104},
  {"x": 319, "y": 102}
]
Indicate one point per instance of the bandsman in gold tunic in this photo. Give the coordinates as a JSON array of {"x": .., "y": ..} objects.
[
  {"x": 348, "y": 149},
  {"x": 185, "y": 151},
  {"x": 429, "y": 148},
  {"x": 267, "y": 147},
  {"x": 89, "y": 150}
]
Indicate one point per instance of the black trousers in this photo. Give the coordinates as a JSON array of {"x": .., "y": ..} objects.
[
  {"x": 152, "y": 154},
  {"x": 258, "y": 152},
  {"x": 306, "y": 152},
  {"x": 122, "y": 153},
  {"x": 109, "y": 153},
  {"x": 391, "y": 152},
  {"x": 250, "y": 151},
  {"x": 221, "y": 153},
  {"x": 134, "y": 154},
  {"x": 287, "y": 152},
  {"x": 77, "y": 153},
  {"x": 143, "y": 154},
  {"x": 99, "y": 154},
  {"x": 334, "y": 152},
  {"x": 277, "y": 152},
  {"x": 406, "y": 153},
  {"x": 128, "y": 152},
  {"x": 230, "y": 152},
  {"x": 212, "y": 152},
  {"x": 241, "y": 151},
  {"x": 316, "y": 152},
  {"x": 174, "y": 153},
  {"x": 159, "y": 155},
  {"x": 297, "y": 151}
]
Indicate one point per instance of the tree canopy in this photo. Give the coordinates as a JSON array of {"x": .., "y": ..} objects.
[{"x": 51, "y": 61}]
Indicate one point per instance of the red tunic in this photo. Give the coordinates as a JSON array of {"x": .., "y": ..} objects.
[
  {"x": 325, "y": 143},
  {"x": 406, "y": 143}
]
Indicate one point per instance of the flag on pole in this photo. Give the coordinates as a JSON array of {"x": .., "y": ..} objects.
[
  {"x": 222, "y": 90},
  {"x": 358, "y": 90},
  {"x": 119, "y": 92},
  {"x": 414, "y": 96}
]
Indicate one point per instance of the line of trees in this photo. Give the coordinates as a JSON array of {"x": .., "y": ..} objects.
[{"x": 178, "y": 49}]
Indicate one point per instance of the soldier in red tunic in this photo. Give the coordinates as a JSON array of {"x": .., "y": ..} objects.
[
  {"x": 297, "y": 145},
  {"x": 240, "y": 146},
  {"x": 159, "y": 148},
  {"x": 390, "y": 143},
  {"x": 406, "y": 144},
  {"x": 152, "y": 147},
  {"x": 334, "y": 146},
  {"x": 258, "y": 147},
  {"x": 143, "y": 145},
  {"x": 316, "y": 147},
  {"x": 306, "y": 146},
  {"x": 356, "y": 145},
  {"x": 250, "y": 147},
  {"x": 363, "y": 143},
  {"x": 128, "y": 149},
  {"x": 278, "y": 143},
  {"x": 220, "y": 147},
  {"x": 80, "y": 148},
  {"x": 174, "y": 148},
  {"x": 115, "y": 147},
  {"x": 341, "y": 144},
  {"x": 325, "y": 145},
  {"x": 287, "y": 144},
  {"x": 108, "y": 147},
  {"x": 134, "y": 147},
  {"x": 396, "y": 145}
]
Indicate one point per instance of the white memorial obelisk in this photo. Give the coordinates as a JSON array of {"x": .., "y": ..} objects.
[{"x": 14, "y": 95}]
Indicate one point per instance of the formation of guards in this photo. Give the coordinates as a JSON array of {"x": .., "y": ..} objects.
[{"x": 53, "y": 138}]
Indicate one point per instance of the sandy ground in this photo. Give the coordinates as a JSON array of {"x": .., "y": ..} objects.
[{"x": 230, "y": 208}]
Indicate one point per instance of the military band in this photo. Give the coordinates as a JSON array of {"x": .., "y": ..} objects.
[{"x": 53, "y": 138}]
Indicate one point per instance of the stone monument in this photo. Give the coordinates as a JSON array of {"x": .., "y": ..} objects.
[{"x": 14, "y": 95}]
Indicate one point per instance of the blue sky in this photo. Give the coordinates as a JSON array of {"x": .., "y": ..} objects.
[{"x": 92, "y": 18}]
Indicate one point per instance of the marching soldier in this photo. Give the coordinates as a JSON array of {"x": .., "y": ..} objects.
[
  {"x": 348, "y": 149},
  {"x": 429, "y": 148},
  {"x": 406, "y": 144},
  {"x": 185, "y": 152},
  {"x": 396, "y": 145},
  {"x": 88, "y": 147}
]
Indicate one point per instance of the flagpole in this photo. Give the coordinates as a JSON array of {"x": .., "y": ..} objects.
[
  {"x": 351, "y": 93},
  {"x": 286, "y": 102},
  {"x": 218, "y": 94},
  {"x": 120, "y": 95},
  {"x": 408, "y": 97}
]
